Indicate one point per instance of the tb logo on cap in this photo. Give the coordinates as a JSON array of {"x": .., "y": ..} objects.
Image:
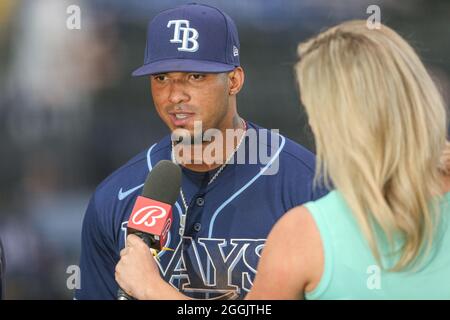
[{"x": 190, "y": 35}]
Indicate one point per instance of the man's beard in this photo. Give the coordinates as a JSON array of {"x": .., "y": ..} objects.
[
  {"x": 188, "y": 137},
  {"x": 188, "y": 146}
]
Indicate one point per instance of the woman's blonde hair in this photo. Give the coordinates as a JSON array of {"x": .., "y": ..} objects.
[{"x": 380, "y": 128}]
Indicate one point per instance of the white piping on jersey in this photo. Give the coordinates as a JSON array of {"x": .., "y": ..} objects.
[
  {"x": 149, "y": 159},
  {"x": 242, "y": 189},
  {"x": 237, "y": 193}
]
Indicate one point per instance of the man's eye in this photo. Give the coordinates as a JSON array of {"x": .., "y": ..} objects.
[
  {"x": 160, "y": 77},
  {"x": 197, "y": 76}
]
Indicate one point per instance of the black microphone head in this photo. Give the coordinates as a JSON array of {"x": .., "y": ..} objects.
[{"x": 163, "y": 183}]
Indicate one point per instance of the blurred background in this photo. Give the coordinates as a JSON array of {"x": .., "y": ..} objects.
[{"x": 70, "y": 113}]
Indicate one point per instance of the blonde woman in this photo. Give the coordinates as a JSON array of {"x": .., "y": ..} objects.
[{"x": 380, "y": 130}]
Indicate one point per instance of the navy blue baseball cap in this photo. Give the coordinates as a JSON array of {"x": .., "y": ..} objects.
[{"x": 191, "y": 38}]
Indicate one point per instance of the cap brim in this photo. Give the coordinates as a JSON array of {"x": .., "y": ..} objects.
[{"x": 182, "y": 65}]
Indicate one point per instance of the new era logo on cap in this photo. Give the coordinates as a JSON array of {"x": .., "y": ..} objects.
[{"x": 191, "y": 38}]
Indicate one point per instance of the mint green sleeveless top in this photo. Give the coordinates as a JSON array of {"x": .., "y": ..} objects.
[{"x": 351, "y": 271}]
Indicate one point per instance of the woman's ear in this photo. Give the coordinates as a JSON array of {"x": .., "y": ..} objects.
[{"x": 236, "y": 80}]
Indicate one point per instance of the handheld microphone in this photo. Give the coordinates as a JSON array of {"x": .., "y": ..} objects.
[{"x": 151, "y": 217}]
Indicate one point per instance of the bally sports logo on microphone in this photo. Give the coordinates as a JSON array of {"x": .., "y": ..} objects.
[{"x": 151, "y": 217}]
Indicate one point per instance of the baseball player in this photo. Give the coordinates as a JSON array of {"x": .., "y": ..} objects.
[{"x": 228, "y": 208}]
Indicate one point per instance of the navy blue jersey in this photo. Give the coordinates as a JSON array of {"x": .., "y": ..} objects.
[{"x": 227, "y": 222}]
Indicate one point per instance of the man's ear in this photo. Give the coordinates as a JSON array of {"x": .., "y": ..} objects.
[{"x": 236, "y": 80}]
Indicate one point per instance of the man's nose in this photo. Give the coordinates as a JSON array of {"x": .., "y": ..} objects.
[{"x": 178, "y": 93}]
